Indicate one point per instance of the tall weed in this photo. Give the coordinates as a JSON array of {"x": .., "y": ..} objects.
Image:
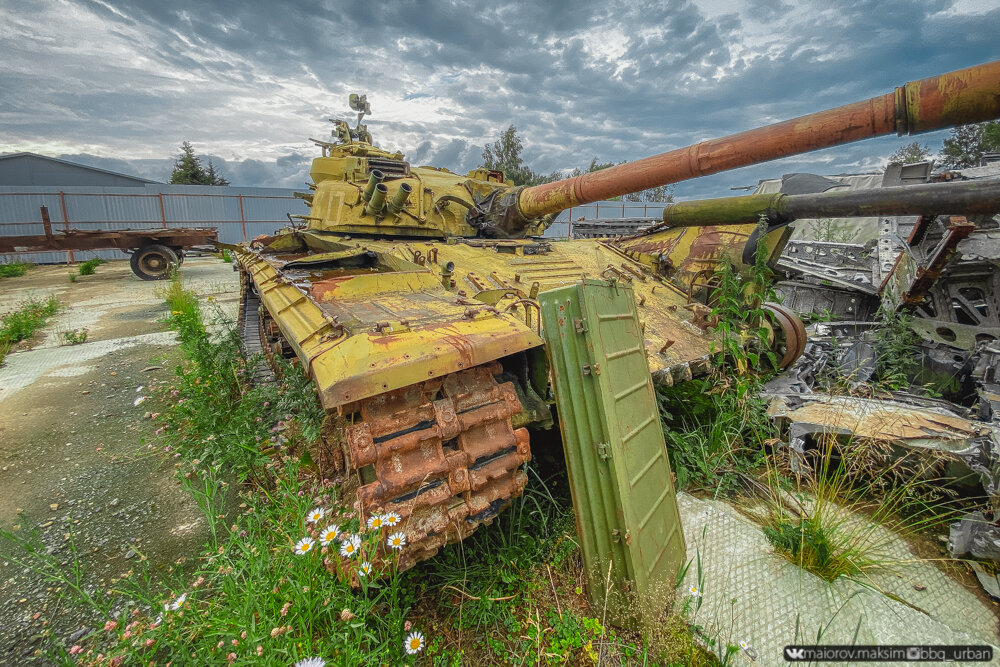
[
  {"x": 895, "y": 344},
  {"x": 716, "y": 427},
  {"x": 14, "y": 269},
  {"x": 22, "y": 322}
]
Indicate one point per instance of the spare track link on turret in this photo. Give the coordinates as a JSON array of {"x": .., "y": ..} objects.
[{"x": 444, "y": 456}]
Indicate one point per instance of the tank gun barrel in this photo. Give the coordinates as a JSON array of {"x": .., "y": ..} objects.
[
  {"x": 959, "y": 197},
  {"x": 965, "y": 96}
]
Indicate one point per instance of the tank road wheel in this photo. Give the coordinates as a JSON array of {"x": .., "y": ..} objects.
[
  {"x": 152, "y": 262},
  {"x": 792, "y": 342}
]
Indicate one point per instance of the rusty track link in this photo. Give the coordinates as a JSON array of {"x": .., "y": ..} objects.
[{"x": 444, "y": 456}]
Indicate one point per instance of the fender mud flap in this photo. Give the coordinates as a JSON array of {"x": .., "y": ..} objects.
[{"x": 623, "y": 492}]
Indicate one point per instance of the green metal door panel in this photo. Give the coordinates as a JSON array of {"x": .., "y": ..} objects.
[
  {"x": 581, "y": 425},
  {"x": 619, "y": 473}
]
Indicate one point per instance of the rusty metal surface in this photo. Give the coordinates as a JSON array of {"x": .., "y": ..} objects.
[
  {"x": 913, "y": 275},
  {"x": 964, "y": 96},
  {"x": 123, "y": 239},
  {"x": 882, "y": 421},
  {"x": 793, "y": 332},
  {"x": 444, "y": 455}
]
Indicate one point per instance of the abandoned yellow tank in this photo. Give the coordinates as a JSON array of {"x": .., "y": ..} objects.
[{"x": 410, "y": 297}]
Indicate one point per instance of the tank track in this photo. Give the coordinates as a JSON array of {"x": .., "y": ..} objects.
[
  {"x": 443, "y": 455},
  {"x": 252, "y": 337}
]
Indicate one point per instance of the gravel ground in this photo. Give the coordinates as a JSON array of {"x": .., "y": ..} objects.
[{"x": 74, "y": 449}]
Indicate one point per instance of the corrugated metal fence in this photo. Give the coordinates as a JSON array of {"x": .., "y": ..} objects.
[
  {"x": 238, "y": 213},
  {"x": 602, "y": 210}
]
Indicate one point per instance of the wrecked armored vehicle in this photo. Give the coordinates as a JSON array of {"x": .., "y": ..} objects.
[{"x": 940, "y": 269}]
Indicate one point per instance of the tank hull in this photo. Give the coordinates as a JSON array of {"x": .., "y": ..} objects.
[{"x": 428, "y": 357}]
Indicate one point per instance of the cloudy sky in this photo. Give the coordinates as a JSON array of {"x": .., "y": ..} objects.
[{"x": 120, "y": 84}]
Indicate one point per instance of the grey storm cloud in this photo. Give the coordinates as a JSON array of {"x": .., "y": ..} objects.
[{"x": 120, "y": 84}]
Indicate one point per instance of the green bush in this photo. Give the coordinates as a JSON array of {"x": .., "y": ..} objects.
[
  {"x": 75, "y": 337},
  {"x": 87, "y": 268},
  {"x": 14, "y": 269},
  {"x": 22, "y": 323}
]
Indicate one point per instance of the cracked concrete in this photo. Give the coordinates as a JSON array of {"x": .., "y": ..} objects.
[
  {"x": 76, "y": 454},
  {"x": 752, "y": 594}
]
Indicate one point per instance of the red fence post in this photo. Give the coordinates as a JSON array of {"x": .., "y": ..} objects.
[
  {"x": 62, "y": 204},
  {"x": 163, "y": 211},
  {"x": 243, "y": 220}
]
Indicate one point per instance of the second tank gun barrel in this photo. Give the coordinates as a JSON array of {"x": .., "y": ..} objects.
[
  {"x": 958, "y": 197},
  {"x": 965, "y": 96}
]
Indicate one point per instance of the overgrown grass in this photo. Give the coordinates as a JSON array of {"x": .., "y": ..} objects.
[
  {"x": 510, "y": 594},
  {"x": 14, "y": 269},
  {"x": 22, "y": 322},
  {"x": 75, "y": 337},
  {"x": 716, "y": 427},
  {"x": 90, "y": 266},
  {"x": 837, "y": 525}
]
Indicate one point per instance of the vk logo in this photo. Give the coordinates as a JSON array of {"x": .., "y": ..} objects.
[{"x": 794, "y": 653}]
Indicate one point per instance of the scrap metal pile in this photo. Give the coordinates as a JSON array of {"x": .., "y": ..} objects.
[{"x": 943, "y": 274}]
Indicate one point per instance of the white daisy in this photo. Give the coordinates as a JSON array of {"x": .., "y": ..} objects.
[
  {"x": 391, "y": 519},
  {"x": 311, "y": 662},
  {"x": 329, "y": 535},
  {"x": 316, "y": 515},
  {"x": 304, "y": 545},
  {"x": 414, "y": 642},
  {"x": 694, "y": 592},
  {"x": 139, "y": 400},
  {"x": 375, "y": 521},
  {"x": 748, "y": 649},
  {"x": 176, "y": 604},
  {"x": 365, "y": 569},
  {"x": 396, "y": 540},
  {"x": 350, "y": 546}
]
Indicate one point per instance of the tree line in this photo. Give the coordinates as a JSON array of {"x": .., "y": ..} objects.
[{"x": 964, "y": 148}]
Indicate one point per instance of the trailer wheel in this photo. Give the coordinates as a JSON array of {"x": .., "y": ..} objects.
[{"x": 152, "y": 262}]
